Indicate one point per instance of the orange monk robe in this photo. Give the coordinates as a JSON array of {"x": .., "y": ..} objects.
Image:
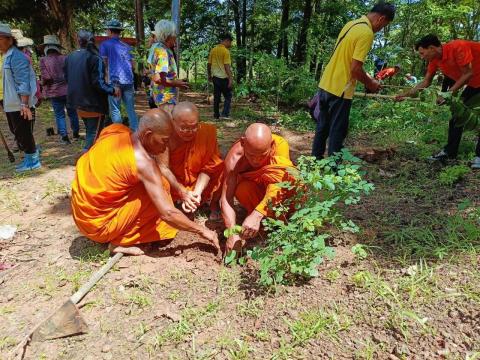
[
  {"x": 109, "y": 203},
  {"x": 258, "y": 188},
  {"x": 200, "y": 155}
]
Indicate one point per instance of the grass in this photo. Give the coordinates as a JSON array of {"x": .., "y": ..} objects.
[
  {"x": 192, "y": 319},
  {"x": 7, "y": 342},
  {"x": 251, "y": 308},
  {"x": 93, "y": 254},
  {"x": 55, "y": 189}
]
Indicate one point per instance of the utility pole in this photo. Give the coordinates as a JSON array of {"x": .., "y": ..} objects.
[{"x": 176, "y": 20}]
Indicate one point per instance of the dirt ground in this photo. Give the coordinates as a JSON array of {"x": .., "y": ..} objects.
[{"x": 178, "y": 302}]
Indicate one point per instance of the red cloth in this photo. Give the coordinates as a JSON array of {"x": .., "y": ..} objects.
[{"x": 458, "y": 53}]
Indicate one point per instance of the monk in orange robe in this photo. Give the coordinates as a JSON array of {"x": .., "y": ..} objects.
[
  {"x": 119, "y": 195},
  {"x": 253, "y": 167},
  {"x": 194, "y": 167}
]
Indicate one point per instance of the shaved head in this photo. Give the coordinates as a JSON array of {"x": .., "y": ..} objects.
[
  {"x": 257, "y": 144},
  {"x": 154, "y": 130},
  {"x": 185, "y": 120}
]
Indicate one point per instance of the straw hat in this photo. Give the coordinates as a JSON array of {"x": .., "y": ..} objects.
[
  {"x": 5, "y": 30},
  {"x": 22, "y": 41}
]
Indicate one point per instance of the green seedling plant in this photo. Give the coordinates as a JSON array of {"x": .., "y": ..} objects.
[
  {"x": 359, "y": 251},
  {"x": 453, "y": 174},
  {"x": 296, "y": 244},
  {"x": 231, "y": 257}
]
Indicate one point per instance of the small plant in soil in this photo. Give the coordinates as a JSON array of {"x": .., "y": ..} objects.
[
  {"x": 453, "y": 174},
  {"x": 296, "y": 245}
]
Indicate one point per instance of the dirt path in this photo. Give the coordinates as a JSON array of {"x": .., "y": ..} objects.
[{"x": 180, "y": 303}]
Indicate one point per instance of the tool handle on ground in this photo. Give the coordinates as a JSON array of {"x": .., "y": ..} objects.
[
  {"x": 75, "y": 298},
  {"x": 11, "y": 158}
]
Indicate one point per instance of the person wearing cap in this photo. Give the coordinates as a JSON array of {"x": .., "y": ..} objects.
[
  {"x": 19, "y": 87},
  {"x": 55, "y": 86},
  {"x": 87, "y": 91},
  {"x": 164, "y": 67},
  {"x": 410, "y": 79},
  {"x": 119, "y": 61}
]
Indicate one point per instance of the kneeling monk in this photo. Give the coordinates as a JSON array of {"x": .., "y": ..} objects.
[
  {"x": 253, "y": 167},
  {"x": 119, "y": 195},
  {"x": 194, "y": 167}
]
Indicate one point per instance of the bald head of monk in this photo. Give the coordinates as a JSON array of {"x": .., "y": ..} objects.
[
  {"x": 257, "y": 144},
  {"x": 154, "y": 130},
  {"x": 185, "y": 120}
]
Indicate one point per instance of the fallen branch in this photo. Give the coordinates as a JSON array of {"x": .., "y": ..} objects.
[{"x": 380, "y": 96}]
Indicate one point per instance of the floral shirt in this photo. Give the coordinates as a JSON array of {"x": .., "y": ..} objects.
[{"x": 164, "y": 62}]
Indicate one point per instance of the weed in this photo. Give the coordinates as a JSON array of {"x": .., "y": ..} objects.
[
  {"x": 137, "y": 298},
  {"x": 262, "y": 335},
  {"x": 369, "y": 350},
  {"x": 55, "y": 189},
  {"x": 240, "y": 351},
  {"x": 6, "y": 309},
  {"x": 332, "y": 275},
  {"x": 174, "y": 295},
  {"x": 453, "y": 174},
  {"x": 94, "y": 254},
  {"x": 359, "y": 251},
  {"x": 192, "y": 318},
  {"x": 7, "y": 342},
  {"x": 251, "y": 308}
]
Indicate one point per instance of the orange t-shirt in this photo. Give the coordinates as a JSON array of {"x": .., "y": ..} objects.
[
  {"x": 385, "y": 73},
  {"x": 458, "y": 53}
]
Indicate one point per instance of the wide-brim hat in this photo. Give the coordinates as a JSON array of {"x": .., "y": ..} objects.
[
  {"x": 114, "y": 25},
  {"x": 22, "y": 41},
  {"x": 51, "y": 40},
  {"x": 5, "y": 30}
]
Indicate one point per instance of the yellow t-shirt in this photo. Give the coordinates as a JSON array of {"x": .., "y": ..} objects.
[
  {"x": 219, "y": 57},
  {"x": 1, "y": 77},
  {"x": 336, "y": 78}
]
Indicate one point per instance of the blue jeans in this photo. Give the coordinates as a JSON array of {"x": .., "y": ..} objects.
[
  {"x": 91, "y": 125},
  {"x": 59, "y": 104},
  {"x": 128, "y": 98}
]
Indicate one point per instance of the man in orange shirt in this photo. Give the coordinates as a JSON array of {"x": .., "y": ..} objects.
[
  {"x": 460, "y": 61},
  {"x": 118, "y": 194},
  {"x": 253, "y": 167},
  {"x": 194, "y": 168},
  {"x": 387, "y": 73}
]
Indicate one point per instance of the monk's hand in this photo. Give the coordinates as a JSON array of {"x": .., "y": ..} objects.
[
  {"x": 234, "y": 242},
  {"x": 251, "y": 225},
  {"x": 211, "y": 236},
  {"x": 190, "y": 201}
]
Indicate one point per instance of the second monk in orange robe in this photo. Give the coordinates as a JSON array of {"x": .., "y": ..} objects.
[
  {"x": 253, "y": 167},
  {"x": 195, "y": 167},
  {"x": 118, "y": 194}
]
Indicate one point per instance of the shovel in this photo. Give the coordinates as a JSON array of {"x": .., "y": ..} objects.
[{"x": 66, "y": 320}]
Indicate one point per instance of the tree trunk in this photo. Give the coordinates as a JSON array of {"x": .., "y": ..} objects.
[
  {"x": 283, "y": 40},
  {"x": 301, "y": 49},
  {"x": 239, "y": 38},
  {"x": 62, "y": 13},
  {"x": 139, "y": 24}
]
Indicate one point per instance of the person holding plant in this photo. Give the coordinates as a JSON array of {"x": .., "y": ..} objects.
[
  {"x": 119, "y": 195},
  {"x": 253, "y": 167},
  {"x": 165, "y": 84},
  {"x": 192, "y": 163},
  {"x": 220, "y": 74},
  {"x": 340, "y": 76},
  {"x": 458, "y": 60}
]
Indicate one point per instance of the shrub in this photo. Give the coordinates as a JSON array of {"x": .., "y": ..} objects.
[
  {"x": 453, "y": 174},
  {"x": 295, "y": 247}
]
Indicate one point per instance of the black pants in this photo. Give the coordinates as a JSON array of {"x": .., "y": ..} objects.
[
  {"x": 455, "y": 133},
  {"x": 22, "y": 130},
  {"x": 220, "y": 86},
  {"x": 332, "y": 124}
]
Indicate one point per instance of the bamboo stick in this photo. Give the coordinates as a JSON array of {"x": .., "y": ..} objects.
[{"x": 380, "y": 96}]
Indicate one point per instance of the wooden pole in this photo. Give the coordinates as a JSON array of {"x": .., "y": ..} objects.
[
  {"x": 139, "y": 24},
  {"x": 379, "y": 96},
  {"x": 176, "y": 19}
]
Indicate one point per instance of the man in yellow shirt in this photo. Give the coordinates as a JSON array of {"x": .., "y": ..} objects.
[
  {"x": 337, "y": 85},
  {"x": 220, "y": 73}
]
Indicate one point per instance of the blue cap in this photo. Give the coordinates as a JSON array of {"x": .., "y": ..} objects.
[{"x": 114, "y": 24}]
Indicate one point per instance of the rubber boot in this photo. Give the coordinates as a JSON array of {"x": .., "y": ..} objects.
[{"x": 31, "y": 162}]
